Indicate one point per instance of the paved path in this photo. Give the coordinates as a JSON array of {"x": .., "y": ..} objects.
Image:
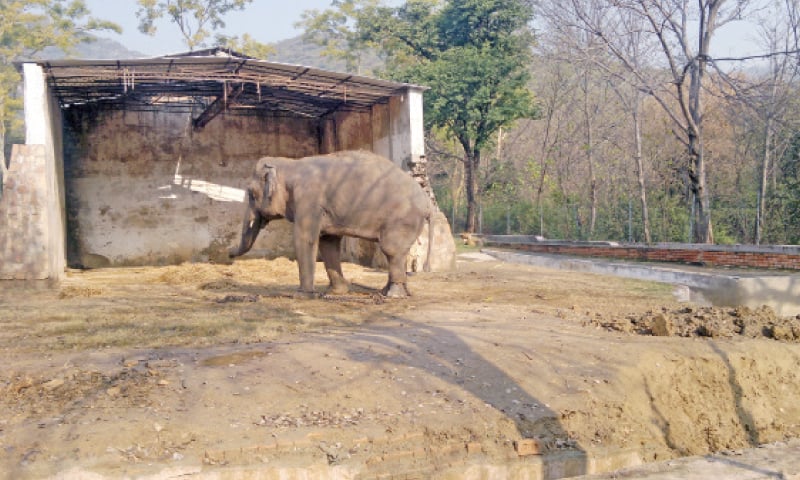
[{"x": 774, "y": 461}]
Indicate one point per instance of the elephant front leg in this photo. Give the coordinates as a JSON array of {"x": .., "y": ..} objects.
[
  {"x": 305, "y": 248},
  {"x": 329, "y": 249}
]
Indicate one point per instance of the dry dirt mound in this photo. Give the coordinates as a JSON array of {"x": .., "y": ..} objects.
[
  {"x": 707, "y": 322},
  {"x": 127, "y": 372}
]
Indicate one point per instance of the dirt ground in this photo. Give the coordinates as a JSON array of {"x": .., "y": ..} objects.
[{"x": 203, "y": 369}]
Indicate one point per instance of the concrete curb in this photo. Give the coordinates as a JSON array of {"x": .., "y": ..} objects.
[{"x": 781, "y": 292}]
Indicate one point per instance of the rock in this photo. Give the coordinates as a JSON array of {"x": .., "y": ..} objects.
[
  {"x": 53, "y": 384},
  {"x": 782, "y": 332},
  {"x": 113, "y": 391},
  {"x": 93, "y": 260},
  {"x": 661, "y": 325},
  {"x": 527, "y": 446},
  {"x": 474, "y": 448},
  {"x": 707, "y": 331}
]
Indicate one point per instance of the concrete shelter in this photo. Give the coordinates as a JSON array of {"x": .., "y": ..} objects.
[{"x": 142, "y": 162}]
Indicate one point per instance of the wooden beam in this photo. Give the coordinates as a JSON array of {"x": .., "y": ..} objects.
[{"x": 229, "y": 96}]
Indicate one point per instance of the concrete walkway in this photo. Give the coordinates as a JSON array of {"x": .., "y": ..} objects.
[
  {"x": 774, "y": 461},
  {"x": 704, "y": 286}
]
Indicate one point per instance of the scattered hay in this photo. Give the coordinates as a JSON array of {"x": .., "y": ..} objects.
[{"x": 79, "y": 292}]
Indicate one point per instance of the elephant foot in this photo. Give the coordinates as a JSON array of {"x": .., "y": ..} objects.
[
  {"x": 304, "y": 295},
  {"x": 396, "y": 290},
  {"x": 339, "y": 289}
]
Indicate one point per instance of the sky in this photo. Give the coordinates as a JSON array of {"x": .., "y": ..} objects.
[
  {"x": 270, "y": 21},
  {"x": 267, "y": 21}
]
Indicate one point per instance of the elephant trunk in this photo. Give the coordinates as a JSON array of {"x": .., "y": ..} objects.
[{"x": 252, "y": 224}]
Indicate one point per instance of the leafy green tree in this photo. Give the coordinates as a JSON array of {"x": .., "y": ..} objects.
[
  {"x": 246, "y": 45},
  {"x": 26, "y": 28},
  {"x": 472, "y": 53},
  {"x": 196, "y": 19}
]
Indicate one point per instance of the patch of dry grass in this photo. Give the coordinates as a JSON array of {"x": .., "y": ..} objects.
[{"x": 252, "y": 301}]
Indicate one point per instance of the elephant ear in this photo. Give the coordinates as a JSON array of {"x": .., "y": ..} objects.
[{"x": 270, "y": 181}]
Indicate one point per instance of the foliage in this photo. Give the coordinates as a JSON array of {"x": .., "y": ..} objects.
[
  {"x": 26, "y": 28},
  {"x": 473, "y": 54},
  {"x": 335, "y": 30},
  {"x": 246, "y": 45},
  {"x": 196, "y": 19}
]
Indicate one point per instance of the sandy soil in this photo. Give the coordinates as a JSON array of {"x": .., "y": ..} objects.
[{"x": 163, "y": 372}]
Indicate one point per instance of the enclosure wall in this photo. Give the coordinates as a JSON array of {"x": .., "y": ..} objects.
[
  {"x": 32, "y": 202},
  {"x": 102, "y": 187}
]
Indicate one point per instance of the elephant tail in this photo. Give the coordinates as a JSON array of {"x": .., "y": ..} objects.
[{"x": 429, "y": 218}]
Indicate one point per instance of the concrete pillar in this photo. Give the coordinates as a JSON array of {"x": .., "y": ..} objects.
[
  {"x": 406, "y": 128},
  {"x": 34, "y": 92},
  {"x": 32, "y": 214},
  {"x": 24, "y": 229}
]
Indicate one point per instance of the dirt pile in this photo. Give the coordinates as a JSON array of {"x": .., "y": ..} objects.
[
  {"x": 714, "y": 322},
  {"x": 129, "y": 372}
]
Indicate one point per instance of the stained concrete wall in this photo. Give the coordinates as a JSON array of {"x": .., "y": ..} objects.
[{"x": 143, "y": 188}]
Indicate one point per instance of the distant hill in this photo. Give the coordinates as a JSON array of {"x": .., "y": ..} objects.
[
  {"x": 297, "y": 51},
  {"x": 96, "y": 49}
]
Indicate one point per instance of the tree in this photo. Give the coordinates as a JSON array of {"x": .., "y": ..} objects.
[
  {"x": 246, "y": 45},
  {"x": 334, "y": 29},
  {"x": 773, "y": 99},
  {"x": 26, "y": 28},
  {"x": 472, "y": 53},
  {"x": 196, "y": 19},
  {"x": 673, "y": 24}
]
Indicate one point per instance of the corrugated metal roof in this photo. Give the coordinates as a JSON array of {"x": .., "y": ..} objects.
[{"x": 216, "y": 75}]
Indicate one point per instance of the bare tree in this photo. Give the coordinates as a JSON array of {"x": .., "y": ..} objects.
[
  {"x": 554, "y": 90},
  {"x": 683, "y": 30},
  {"x": 600, "y": 34},
  {"x": 631, "y": 95},
  {"x": 767, "y": 94},
  {"x": 779, "y": 33}
]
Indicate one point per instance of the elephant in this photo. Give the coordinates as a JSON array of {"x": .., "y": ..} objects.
[{"x": 351, "y": 193}]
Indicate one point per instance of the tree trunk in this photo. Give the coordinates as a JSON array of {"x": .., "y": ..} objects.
[
  {"x": 472, "y": 160},
  {"x": 2, "y": 143},
  {"x": 587, "y": 117},
  {"x": 703, "y": 232},
  {"x": 2, "y": 157},
  {"x": 456, "y": 188},
  {"x": 762, "y": 187},
  {"x": 640, "y": 176}
]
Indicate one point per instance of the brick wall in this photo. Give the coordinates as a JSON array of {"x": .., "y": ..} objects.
[{"x": 765, "y": 257}]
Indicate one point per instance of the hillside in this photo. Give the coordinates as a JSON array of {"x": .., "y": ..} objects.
[
  {"x": 295, "y": 51},
  {"x": 298, "y": 51},
  {"x": 97, "y": 48}
]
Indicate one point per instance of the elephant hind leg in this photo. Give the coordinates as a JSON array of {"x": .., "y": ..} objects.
[
  {"x": 396, "y": 290},
  {"x": 397, "y": 285},
  {"x": 329, "y": 250}
]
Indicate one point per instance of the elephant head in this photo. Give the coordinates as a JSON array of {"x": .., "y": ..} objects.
[{"x": 264, "y": 201}]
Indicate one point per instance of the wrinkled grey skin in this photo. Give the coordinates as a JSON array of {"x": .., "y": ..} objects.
[{"x": 357, "y": 194}]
